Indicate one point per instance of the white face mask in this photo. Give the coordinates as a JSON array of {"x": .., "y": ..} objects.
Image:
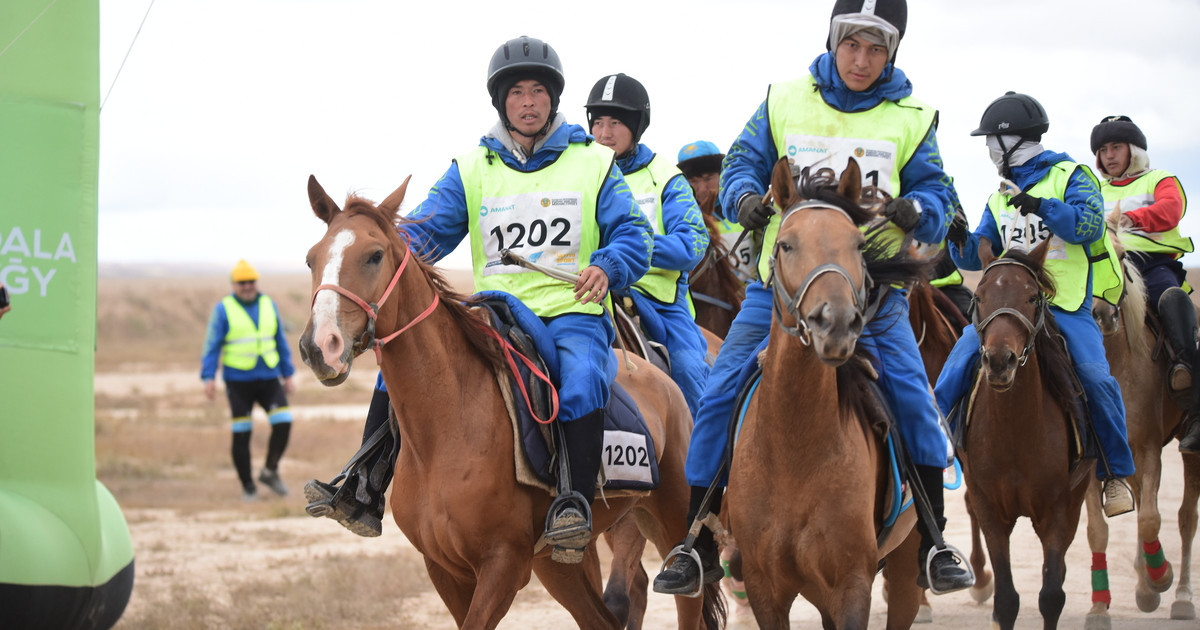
[{"x": 1027, "y": 151}]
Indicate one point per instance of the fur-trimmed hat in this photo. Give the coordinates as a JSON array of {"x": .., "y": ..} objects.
[
  {"x": 1117, "y": 129},
  {"x": 699, "y": 158}
]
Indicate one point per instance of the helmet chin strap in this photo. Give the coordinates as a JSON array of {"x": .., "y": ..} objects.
[{"x": 1007, "y": 154}]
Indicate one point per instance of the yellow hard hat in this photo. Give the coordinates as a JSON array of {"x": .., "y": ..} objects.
[{"x": 243, "y": 272}]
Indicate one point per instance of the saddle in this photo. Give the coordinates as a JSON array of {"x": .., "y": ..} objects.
[
  {"x": 632, "y": 332},
  {"x": 630, "y": 464}
]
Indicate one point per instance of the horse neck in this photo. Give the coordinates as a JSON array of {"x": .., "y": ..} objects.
[
  {"x": 791, "y": 371},
  {"x": 1016, "y": 416},
  {"x": 434, "y": 373}
]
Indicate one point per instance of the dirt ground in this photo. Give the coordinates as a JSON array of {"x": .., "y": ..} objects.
[{"x": 206, "y": 559}]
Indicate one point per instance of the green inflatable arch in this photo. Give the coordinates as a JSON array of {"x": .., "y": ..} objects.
[{"x": 66, "y": 558}]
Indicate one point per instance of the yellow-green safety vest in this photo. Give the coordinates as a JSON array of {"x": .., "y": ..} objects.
[
  {"x": 1067, "y": 263},
  {"x": 1138, "y": 194},
  {"x": 647, "y": 185},
  {"x": 812, "y": 134},
  {"x": 245, "y": 341},
  {"x": 547, "y": 215}
]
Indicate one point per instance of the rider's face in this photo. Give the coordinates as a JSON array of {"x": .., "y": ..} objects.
[
  {"x": 528, "y": 106},
  {"x": 705, "y": 184},
  {"x": 859, "y": 62},
  {"x": 1114, "y": 157},
  {"x": 613, "y": 134}
]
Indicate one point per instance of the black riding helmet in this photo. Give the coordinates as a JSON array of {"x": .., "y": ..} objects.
[
  {"x": 524, "y": 58},
  {"x": 622, "y": 97},
  {"x": 894, "y": 12},
  {"x": 1015, "y": 115}
]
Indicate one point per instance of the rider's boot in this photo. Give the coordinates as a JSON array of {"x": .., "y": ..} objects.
[
  {"x": 944, "y": 573},
  {"x": 569, "y": 523},
  {"x": 359, "y": 501},
  {"x": 1178, "y": 317},
  {"x": 683, "y": 576}
]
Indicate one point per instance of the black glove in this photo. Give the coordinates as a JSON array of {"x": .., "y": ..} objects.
[
  {"x": 902, "y": 213},
  {"x": 957, "y": 232},
  {"x": 752, "y": 213},
  {"x": 1026, "y": 204}
]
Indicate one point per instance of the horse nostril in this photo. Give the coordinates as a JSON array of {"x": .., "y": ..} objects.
[{"x": 332, "y": 346}]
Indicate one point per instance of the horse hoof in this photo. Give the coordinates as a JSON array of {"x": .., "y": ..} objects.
[
  {"x": 924, "y": 614},
  {"x": 982, "y": 593},
  {"x": 1147, "y": 601},
  {"x": 566, "y": 555},
  {"x": 1097, "y": 622},
  {"x": 1183, "y": 609}
]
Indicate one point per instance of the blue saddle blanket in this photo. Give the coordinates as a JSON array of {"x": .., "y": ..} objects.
[{"x": 628, "y": 456}]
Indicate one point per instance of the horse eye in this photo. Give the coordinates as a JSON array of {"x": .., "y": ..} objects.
[
  {"x": 785, "y": 246},
  {"x": 375, "y": 258}
]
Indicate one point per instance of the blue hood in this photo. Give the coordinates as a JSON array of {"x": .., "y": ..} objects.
[{"x": 892, "y": 85}]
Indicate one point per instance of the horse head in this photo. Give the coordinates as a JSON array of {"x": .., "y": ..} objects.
[
  {"x": 354, "y": 268},
  {"x": 818, "y": 271},
  {"x": 1010, "y": 309}
]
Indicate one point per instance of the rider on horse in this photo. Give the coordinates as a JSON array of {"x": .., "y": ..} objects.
[
  {"x": 855, "y": 103},
  {"x": 534, "y": 169},
  {"x": 1152, "y": 203},
  {"x": 618, "y": 111},
  {"x": 1058, "y": 200},
  {"x": 700, "y": 162}
]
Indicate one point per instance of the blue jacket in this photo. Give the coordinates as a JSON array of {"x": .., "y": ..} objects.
[
  {"x": 214, "y": 340},
  {"x": 625, "y": 244},
  {"x": 683, "y": 245},
  {"x": 1077, "y": 218},
  {"x": 747, "y": 166}
]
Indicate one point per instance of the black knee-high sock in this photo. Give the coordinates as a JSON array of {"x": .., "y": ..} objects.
[
  {"x": 280, "y": 433},
  {"x": 931, "y": 480},
  {"x": 241, "y": 458}
]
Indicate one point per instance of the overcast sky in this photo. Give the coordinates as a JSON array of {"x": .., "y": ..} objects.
[{"x": 224, "y": 108}]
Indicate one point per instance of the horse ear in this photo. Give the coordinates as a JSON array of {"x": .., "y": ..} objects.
[
  {"x": 1039, "y": 252},
  {"x": 783, "y": 187},
  {"x": 323, "y": 206},
  {"x": 391, "y": 205},
  {"x": 985, "y": 252},
  {"x": 850, "y": 183}
]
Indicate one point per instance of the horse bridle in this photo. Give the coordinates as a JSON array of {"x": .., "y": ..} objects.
[
  {"x": 792, "y": 302},
  {"x": 1033, "y": 328},
  {"x": 368, "y": 339}
]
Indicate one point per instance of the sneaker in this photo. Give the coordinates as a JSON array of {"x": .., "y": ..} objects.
[
  {"x": 249, "y": 494},
  {"x": 345, "y": 509},
  {"x": 271, "y": 479},
  {"x": 1189, "y": 442},
  {"x": 683, "y": 576},
  {"x": 948, "y": 575},
  {"x": 1117, "y": 498}
]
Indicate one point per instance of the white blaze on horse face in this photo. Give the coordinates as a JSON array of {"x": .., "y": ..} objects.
[{"x": 325, "y": 306}]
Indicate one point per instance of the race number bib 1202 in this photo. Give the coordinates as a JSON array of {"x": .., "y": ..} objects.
[
  {"x": 543, "y": 227},
  {"x": 626, "y": 457}
]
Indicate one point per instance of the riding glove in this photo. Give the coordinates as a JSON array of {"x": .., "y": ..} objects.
[
  {"x": 902, "y": 213},
  {"x": 752, "y": 213},
  {"x": 1026, "y": 203},
  {"x": 957, "y": 232}
]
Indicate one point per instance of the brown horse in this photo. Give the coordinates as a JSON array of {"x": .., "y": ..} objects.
[
  {"x": 458, "y": 500},
  {"x": 1017, "y": 452},
  {"x": 717, "y": 291},
  {"x": 808, "y": 471},
  {"x": 1152, "y": 417}
]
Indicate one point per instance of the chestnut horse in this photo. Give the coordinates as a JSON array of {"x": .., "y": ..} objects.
[
  {"x": 717, "y": 292},
  {"x": 1017, "y": 451},
  {"x": 457, "y": 498},
  {"x": 1152, "y": 418},
  {"x": 808, "y": 472}
]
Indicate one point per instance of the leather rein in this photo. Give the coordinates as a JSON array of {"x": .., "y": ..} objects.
[{"x": 368, "y": 338}]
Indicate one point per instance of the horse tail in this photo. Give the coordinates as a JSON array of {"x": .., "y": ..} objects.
[{"x": 714, "y": 612}]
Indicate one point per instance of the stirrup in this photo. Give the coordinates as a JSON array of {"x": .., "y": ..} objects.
[
  {"x": 958, "y": 555},
  {"x": 575, "y": 535},
  {"x": 685, "y": 548}
]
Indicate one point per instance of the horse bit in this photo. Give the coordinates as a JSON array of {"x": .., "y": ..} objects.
[
  {"x": 368, "y": 339},
  {"x": 792, "y": 303},
  {"x": 1033, "y": 328}
]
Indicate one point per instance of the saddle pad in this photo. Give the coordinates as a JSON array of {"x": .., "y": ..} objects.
[{"x": 630, "y": 462}]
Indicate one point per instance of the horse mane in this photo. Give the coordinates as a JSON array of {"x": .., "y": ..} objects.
[
  {"x": 825, "y": 188},
  {"x": 458, "y": 305},
  {"x": 1050, "y": 347},
  {"x": 1133, "y": 302},
  {"x": 726, "y": 278}
]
